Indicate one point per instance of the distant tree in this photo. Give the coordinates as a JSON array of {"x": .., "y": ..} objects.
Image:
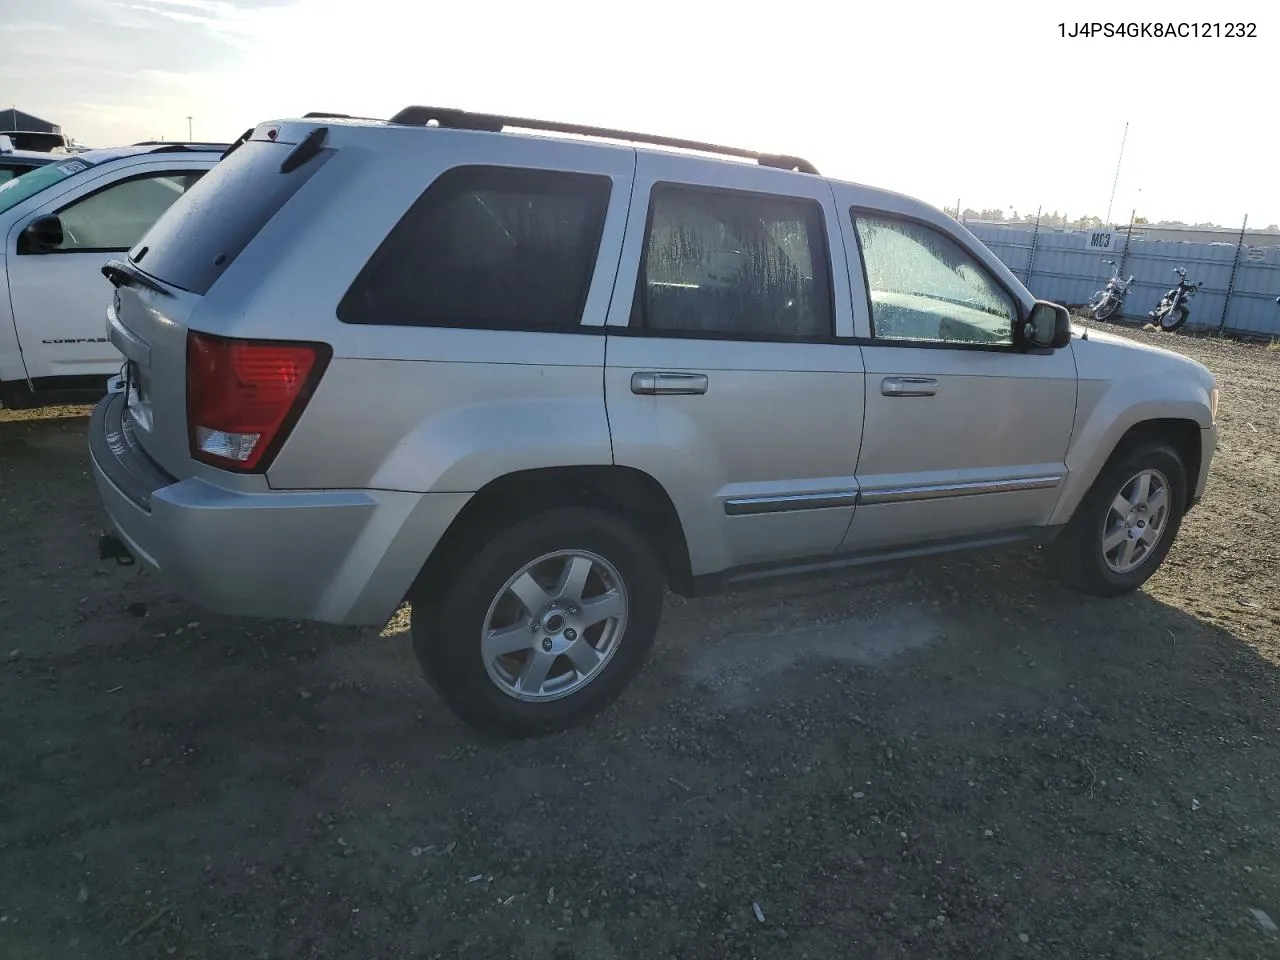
[
  {"x": 1089, "y": 223},
  {"x": 1142, "y": 220},
  {"x": 1273, "y": 228}
]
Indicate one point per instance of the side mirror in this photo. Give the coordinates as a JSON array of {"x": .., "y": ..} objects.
[
  {"x": 42, "y": 234},
  {"x": 1048, "y": 327}
]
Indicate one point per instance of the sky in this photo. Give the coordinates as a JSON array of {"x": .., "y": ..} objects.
[{"x": 983, "y": 101}]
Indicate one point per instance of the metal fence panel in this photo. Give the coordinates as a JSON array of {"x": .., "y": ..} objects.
[{"x": 1064, "y": 270}]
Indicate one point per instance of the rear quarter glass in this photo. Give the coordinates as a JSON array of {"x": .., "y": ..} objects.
[{"x": 209, "y": 225}]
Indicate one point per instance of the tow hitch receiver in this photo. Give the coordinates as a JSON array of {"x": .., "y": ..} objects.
[{"x": 111, "y": 547}]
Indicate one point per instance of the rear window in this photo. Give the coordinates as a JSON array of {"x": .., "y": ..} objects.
[
  {"x": 209, "y": 225},
  {"x": 487, "y": 247}
]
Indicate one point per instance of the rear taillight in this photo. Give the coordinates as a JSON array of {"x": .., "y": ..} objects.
[{"x": 244, "y": 396}]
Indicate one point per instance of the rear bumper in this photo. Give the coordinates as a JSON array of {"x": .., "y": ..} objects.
[{"x": 336, "y": 556}]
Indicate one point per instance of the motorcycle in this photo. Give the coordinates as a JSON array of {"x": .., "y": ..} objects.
[
  {"x": 1172, "y": 310},
  {"x": 1107, "y": 303}
]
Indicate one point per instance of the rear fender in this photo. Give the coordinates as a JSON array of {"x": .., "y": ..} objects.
[{"x": 463, "y": 449}]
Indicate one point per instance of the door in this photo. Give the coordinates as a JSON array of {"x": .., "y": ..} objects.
[
  {"x": 966, "y": 434},
  {"x": 58, "y": 294},
  {"x": 723, "y": 377}
]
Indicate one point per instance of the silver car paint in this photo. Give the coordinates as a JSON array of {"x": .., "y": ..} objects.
[
  {"x": 767, "y": 464},
  {"x": 778, "y": 421},
  {"x": 1122, "y": 384}
]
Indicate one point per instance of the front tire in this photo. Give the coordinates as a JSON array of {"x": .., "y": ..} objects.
[
  {"x": 1106, "y": 309},
  {"x": 1123, "y": 528},
  {"x": 1171, "y": 320},
  {"x": 542, "y": 625}
]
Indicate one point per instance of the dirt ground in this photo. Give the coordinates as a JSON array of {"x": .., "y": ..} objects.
[{"x": 965, "y": 762}]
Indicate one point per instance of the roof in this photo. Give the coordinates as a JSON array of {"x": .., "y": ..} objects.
[
  {"x": 16, "y": 120},
  {"x": 95, "y": 157},
  {"x": 33, "y": 157},
  {"x": 421, "y": 116}
]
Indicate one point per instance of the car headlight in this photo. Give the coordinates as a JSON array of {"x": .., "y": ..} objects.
[{"x": 1214, "y": 396}]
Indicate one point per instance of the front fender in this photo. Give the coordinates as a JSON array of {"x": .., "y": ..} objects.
[{"x": 1108, "y": 409}]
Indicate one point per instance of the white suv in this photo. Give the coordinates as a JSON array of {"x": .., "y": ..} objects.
[
  {"x": 58, "y": 225},
  {"x": 528, "y": 381}
]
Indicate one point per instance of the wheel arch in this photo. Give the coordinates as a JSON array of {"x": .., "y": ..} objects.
[
  {"x": 631, "y": 494},
  {"x": 1179, "y": 432}
]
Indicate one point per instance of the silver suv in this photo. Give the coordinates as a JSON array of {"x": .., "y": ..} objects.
[{"x": 529, "y": 381}]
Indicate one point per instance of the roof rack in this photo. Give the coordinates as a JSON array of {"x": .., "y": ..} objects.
[{"x": 418, "y": 116}]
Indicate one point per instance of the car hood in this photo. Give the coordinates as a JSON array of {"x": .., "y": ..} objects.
[{"x": 1139, "y": 369}]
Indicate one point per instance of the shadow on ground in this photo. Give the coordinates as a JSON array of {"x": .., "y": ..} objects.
[{"x": 965, "y": 762}]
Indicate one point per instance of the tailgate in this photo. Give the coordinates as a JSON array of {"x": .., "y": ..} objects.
[
  {"x": 173, "y": 268},
  {"x": 150, "y": 329}
]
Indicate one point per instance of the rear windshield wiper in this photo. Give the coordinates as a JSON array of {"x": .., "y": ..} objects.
[
  {"x": 122, "y": 274},
  {"x": 236, "y": 144}
]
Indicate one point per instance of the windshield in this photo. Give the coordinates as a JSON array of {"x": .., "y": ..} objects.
[{"x": 29, "y": 184}]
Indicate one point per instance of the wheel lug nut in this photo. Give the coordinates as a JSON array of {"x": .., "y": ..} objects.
[
  {"x": 571, "y": 634},
  {"x": 546, "y": 645}
]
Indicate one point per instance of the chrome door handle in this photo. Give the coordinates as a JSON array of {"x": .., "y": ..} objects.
[
  {"x": 668, "y": 384},
  {"x": 908, "y": 386}
]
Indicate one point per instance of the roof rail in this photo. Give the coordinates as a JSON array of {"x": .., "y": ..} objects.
[
  {"x": 328, "y": 115},
  {"x": 179, "y": 145},
  {"x": 418, "y": 116}
]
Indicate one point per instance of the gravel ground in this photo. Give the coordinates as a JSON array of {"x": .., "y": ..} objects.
[{"x": 965, "y": 761}]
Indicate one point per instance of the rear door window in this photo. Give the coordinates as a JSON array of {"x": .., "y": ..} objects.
[
  {"x": 727, "y": 265},
  {"x": 487, "y": 247}
]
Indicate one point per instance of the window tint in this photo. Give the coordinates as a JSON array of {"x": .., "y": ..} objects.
[
  {"x": 487, "y": 247},
  {"x": 729, "y": 263},
  {"x": 116, "y": 217},
  {"x": 925, "y": 286},
  {"x": 210, "y": 227},
  {"x": 27, "y": 185}
]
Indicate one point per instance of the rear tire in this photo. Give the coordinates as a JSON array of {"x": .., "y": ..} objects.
[
  {"x": 1107, "y": 551},
  {"x": 14, "y": 395},
  {"x": 532, "y": 588},
  {"x": 1173, "y": 319},
  {"x": 1106, "y": 309}
]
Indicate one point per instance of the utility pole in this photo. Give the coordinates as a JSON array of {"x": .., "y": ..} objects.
[
  {"x": 1117, "y": 178},
  {"x": 189, "y": 137}
]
